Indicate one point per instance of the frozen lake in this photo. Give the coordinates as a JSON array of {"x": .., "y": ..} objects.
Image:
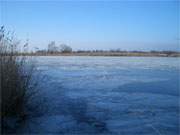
[{"x": 108, "y": 95}]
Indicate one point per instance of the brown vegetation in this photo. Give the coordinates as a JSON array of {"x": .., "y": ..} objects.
[
  {"x": 16, "y": 80},
  {"x": 109, "y": 53}
]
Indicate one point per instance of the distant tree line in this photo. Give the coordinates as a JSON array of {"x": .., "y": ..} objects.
[
  {"x": 52, "y": 48},
  {"x": 63, "y": 48}
]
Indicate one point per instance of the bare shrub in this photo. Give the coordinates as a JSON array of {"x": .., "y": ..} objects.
[{"x": 17, "y": 86}]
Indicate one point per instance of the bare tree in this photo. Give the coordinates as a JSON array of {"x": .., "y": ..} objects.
[
  {"x": 52, "y": 47},
  {"x": 65, "y": 48}
]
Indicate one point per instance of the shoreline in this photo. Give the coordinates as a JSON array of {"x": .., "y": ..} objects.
[{"x": 108, "y": 54}]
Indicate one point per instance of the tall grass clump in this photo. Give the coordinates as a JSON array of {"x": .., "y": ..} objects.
[{"x": 17, "y": 86}]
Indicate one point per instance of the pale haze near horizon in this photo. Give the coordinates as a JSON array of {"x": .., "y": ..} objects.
[{"x": 126, "y": 25}]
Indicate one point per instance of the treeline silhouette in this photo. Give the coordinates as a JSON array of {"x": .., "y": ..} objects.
[{"x": 112, "y": 52}]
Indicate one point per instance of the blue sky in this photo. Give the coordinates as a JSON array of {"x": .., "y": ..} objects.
[{"x": 129, "y": 25}]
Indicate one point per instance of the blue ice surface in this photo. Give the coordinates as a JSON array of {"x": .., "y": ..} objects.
[{"x": 108, "y": 95}]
